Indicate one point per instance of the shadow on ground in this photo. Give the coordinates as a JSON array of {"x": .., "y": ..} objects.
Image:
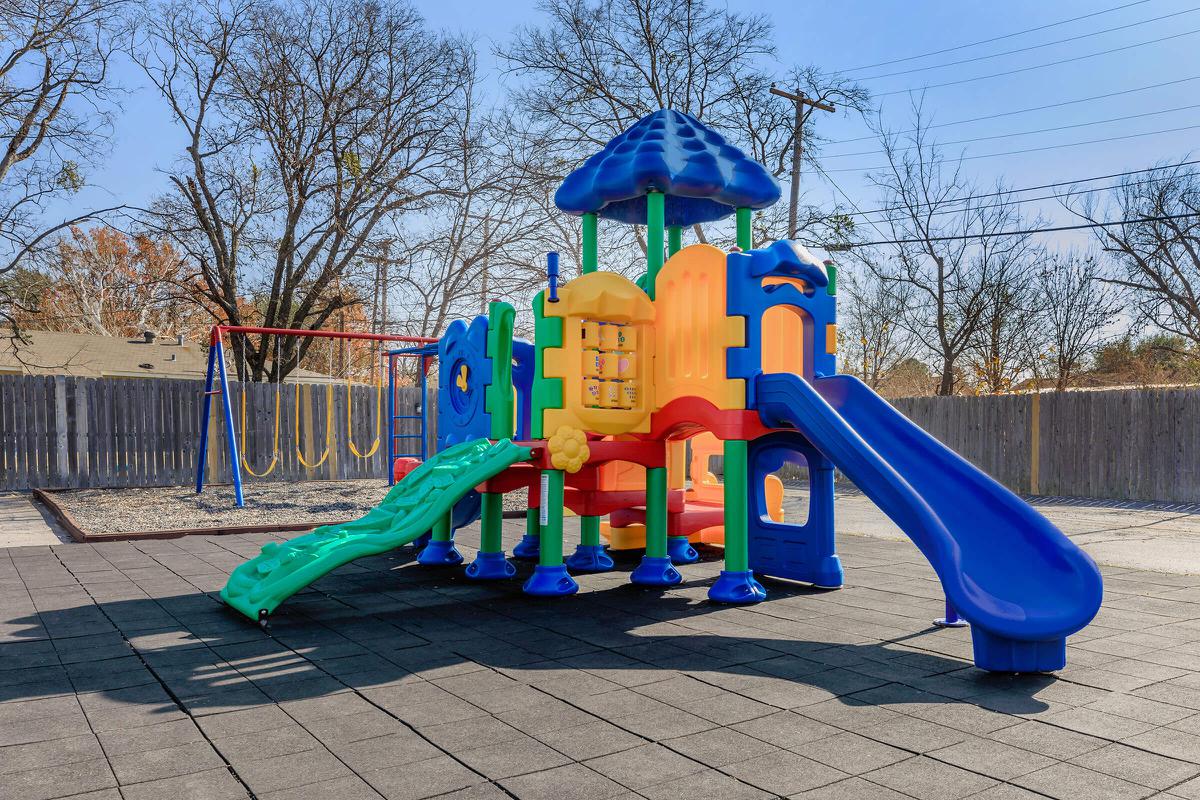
[{"x": 384, "y": 622}]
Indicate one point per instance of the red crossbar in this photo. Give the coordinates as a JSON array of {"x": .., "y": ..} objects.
[{"x": 219, "y": 330}]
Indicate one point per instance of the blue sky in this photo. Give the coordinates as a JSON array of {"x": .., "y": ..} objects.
[{"x": 844, "y": 34}]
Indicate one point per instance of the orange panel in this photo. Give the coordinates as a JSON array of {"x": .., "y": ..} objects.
[
  {"x": 692, "y": 332},
  {"x": 784, "y": 341}
]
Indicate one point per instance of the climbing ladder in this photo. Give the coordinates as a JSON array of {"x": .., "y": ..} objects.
[{"x": 426, "y": 353}]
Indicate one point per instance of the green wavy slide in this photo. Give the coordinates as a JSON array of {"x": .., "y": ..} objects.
[{"x": 409, "y": 509}]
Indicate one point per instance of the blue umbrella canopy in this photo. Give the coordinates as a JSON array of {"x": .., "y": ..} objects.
[{"x": 703, "y": 177}]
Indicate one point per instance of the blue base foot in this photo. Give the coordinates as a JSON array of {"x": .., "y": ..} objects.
[
  {"x": 737, "y": 588},
  {"x": 997, "y": 654},
  {"x": 680, "y": 551},
  {"x": 440, "y": 554},
  {"x": 550, "y": 582},
  {"x": 655, "y": 572},
  {"x": 421, "y": 542},
  {"x": 589, "y": 558},
  {"x": 529, "y": 548},
  {"x": 490, "y": 567}
]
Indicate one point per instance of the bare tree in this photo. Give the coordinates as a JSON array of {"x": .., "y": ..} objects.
[
  {"x": 1157, "y": 248},
  {"x": 56, "y": 97},
  {"x": 1077, "y": 314},
  {"x": 874, "y": 342},
  {"x": 1008, "y": 340},
  {"x": 309, "y": 124},
  {"x": 597, "y": 67},
  {"x": 945, "y": 245}
]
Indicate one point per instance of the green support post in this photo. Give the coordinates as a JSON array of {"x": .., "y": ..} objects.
[
  {"x": 655, "y": 215},
  {"x": 441, "y": 552},
  {"x": 656, "y": 568},
  {"x": 552, "y": 518},
  {"x": 745, "y": 239},
  {"x": 589, "y": 530},
  {"x": 674, "y": 240},
  {"x": 550, "y": 577},
  {"x": 591, "y": 250},
  {"x": 737, "y": 554},
  {"x": 656, "y": 512},
  {"x": 736, "y": 583},
  {"x": 490, "y": 562}
]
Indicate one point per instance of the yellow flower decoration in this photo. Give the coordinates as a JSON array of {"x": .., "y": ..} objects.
[{"x": 568, "y": 449}]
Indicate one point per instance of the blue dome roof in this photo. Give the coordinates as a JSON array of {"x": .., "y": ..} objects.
[{"x": 704, "y": 177}]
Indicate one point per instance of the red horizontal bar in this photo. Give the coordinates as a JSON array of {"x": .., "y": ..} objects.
[{"x": 378, "y": 337}]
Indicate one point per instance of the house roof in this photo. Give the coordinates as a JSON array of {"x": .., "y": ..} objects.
[
  {"x": 704, "y": 177},
  {"x": 92, "y": 356}
]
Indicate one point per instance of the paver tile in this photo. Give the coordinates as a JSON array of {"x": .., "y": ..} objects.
[
  {"x": 851, "y": 753},
  {"x": 720, "y": 746},
  {"x": 569, "y": 782},
  {"x": 644, "y": 766},
  {"x": 168, "y": 762},
  {"x": 516, "y": 756},
  {"x": 421, "y": 779},
  {"x": 924, "y": 778},
  {"x": 784, "y": 773},
  {"x": 216, "y": 784},
  {"x": 1069, "y": 782}
]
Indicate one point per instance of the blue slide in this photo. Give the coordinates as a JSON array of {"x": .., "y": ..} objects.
[{"x": 1021, "y": 583}]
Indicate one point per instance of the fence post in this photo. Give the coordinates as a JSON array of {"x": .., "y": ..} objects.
[{"x": 1035, "y": 442}]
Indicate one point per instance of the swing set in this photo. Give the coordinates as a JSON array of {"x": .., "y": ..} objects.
[{"x": 238, "y": 461}]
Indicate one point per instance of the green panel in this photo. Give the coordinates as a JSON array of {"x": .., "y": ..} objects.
[
  {"x": 656, "y": 512},
  {"x": 737, "y": 544},
  {"x": 410, "y": 508},
  {"x": 498, "y": 399},
  {"x": 547, "y": 392},
  {"x": 832, "y": 271}
]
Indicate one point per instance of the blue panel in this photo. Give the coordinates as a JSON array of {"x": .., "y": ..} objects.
[
  {"x": 461, "y": 413},
  {"x": 704, "y": 177},
  {"x": 796, "y": 550},
  {"x": 1021, "y": 583},
  {"x": 522, "y": 373},
  {"x": 747, "y": 297}
]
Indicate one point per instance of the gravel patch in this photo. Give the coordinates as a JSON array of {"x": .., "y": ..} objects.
[{"x": 179, "y": 507}]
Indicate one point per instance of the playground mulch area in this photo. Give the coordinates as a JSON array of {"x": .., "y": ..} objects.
[
  {"x": 121, "y": 674},
  {"x": 105, "y": 513}
]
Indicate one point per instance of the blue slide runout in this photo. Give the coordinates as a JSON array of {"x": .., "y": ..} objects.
[{"x": 1021, "y": 583}]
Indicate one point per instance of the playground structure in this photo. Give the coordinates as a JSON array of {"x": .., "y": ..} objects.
[
  {"x": 217, "y": 384},
  {"x": 731, "y": 347}
]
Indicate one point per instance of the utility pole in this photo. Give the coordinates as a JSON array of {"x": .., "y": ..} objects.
[{"x": 801, "y": 100}]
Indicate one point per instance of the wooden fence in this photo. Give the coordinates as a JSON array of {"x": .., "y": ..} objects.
[
  {"x": 1129, "y": 444},
  {"x": 67, "y": 432},
  {"x": 63, "y": 432}
]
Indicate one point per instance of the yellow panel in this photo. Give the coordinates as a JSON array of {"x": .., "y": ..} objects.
[
  {"x": 831, "y": 338},
  {"x": 606, "y": 357},
  {"x": 694, "y": 332}
]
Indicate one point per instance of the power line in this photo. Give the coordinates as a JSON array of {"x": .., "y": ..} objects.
[
  {"x": 1026, "y": 231},
  {"x": 1006, "y": 192},
  {"x": 1041, "y": 149},
  {"x": 1030, "y": 47},
  {"x": 1016, "y": 202},
  {"x": 997, "y": 38},
  {"x": 1041, "y": 66},
  {"x": 1025, "y": 133},
  {"x": 1037, "y": 108}
]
